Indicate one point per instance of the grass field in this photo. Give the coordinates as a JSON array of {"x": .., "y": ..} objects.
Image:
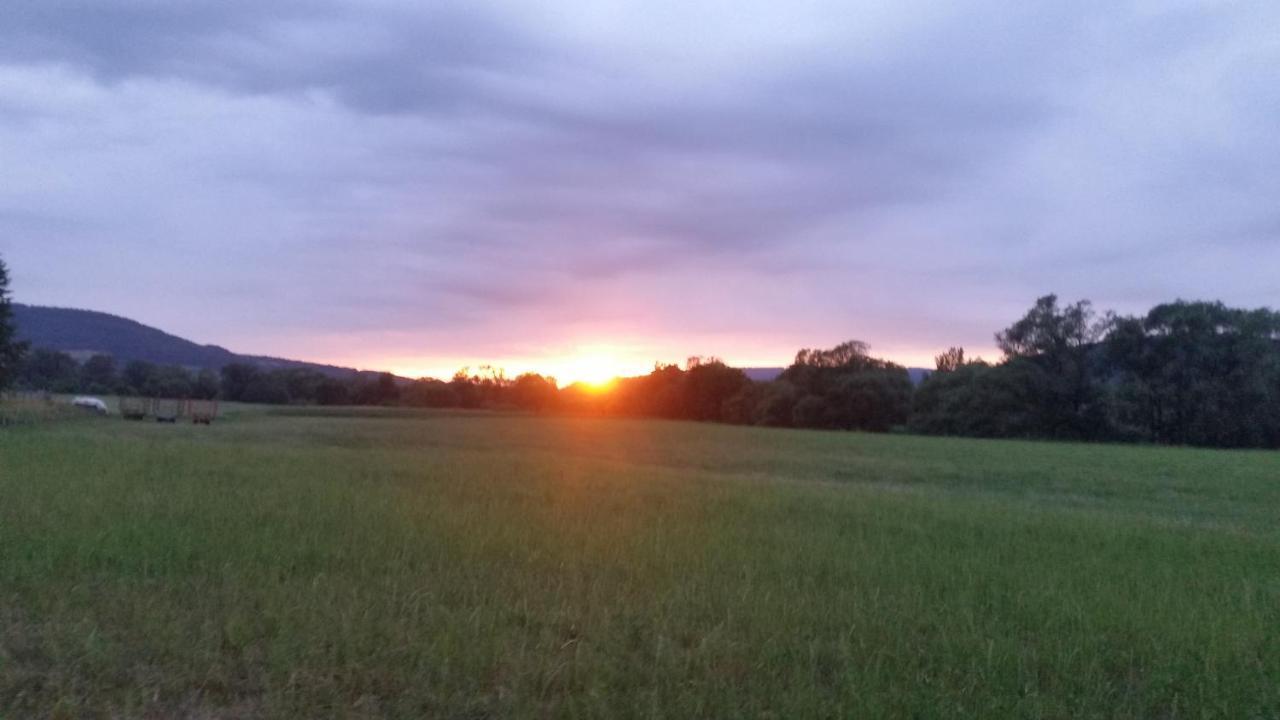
[
  {"x": 31, "y": 410},
  {"x": 316, "y": 565}
]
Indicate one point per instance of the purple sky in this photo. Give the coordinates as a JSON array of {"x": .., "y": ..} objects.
[{"x": 383, "y": 185}]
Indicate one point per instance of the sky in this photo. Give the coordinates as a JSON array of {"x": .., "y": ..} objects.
[{"x": 567, "y": 186}]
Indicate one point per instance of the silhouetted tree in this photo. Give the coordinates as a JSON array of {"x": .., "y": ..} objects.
[
  {"x": 467, "y": 392},
  {"x": 950, "y": 361},
  {"x": 429, "y": 392},
  {"x": 658, "y": 394},
  {"x": 383, "y": 390},
  {"x": 1061, "y": 342},
  {"x": 846, "y": 388},
  {"x": 170, "y": 382},
  {"x": 236, "y": 379},
  {"x": 493, "y": 387},
  {"x": 978, "y": 400},
  {"x": 533, "y": 392},
  {"x": 741, "y": 407},
  {"x": 332, "y": 391},
  {"x": 11, "y": 350},
  {"x": 812, "y": 411},
  {"x": 707, "y": 385},
  {"x": 138, "y": 377},
  {"x": 874, "y": 400},
  {"x": 580, "y": 399},
  {"x": 50, "y": 370},
  {"x": 302, "y": 384},
  {"x": 206, "y": 386},
  {"x": 99, "y": 375},
  {"x": 846, "y": 354},
  {"x": 264, "y": 388},
  {"x": 777, "y": 404},
  {"x": 1199, "y": 373},
  {"x": 1052, "y": 332}
]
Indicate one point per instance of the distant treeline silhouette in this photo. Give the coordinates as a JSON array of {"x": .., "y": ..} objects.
[{"x": 1192, "y": 373}]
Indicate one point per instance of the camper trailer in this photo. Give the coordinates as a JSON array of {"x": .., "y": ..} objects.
[{"x": 92, "y": 404}]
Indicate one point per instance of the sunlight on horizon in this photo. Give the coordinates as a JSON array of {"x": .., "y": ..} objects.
[{"x": 595, "y": 366}]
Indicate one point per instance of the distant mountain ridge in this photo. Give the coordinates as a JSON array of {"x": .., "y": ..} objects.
[
  {"x": 83, "y": 333},
  {"x": 763, "y": 374}
]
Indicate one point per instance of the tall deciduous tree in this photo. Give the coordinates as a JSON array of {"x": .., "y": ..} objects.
[
  {"x": 1199, "y": 373},
  {"x": 950, "y": 361},
  {"x": 139, "y": 377},
  {"x": 99, "y": 375},
  {"x": 534, "y": 392},
  {"x": 237, "y": 379},
  {"x": 11, "y": 351},
  {"x": 707, "y": 386},
  {"x": 846, "y": 388},
  {"x": 206, "y": 385},
  {"x": 51, "y": 371},
  {"x": 1059, "y": 342}
]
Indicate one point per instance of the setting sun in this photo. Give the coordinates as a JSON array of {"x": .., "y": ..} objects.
[{"x": 594, "y": 367}]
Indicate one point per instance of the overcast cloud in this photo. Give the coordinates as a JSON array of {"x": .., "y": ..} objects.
[{"x": 380, "y": 184}]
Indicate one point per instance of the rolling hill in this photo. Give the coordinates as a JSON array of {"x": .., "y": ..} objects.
[{"x": 83, "y": 333}]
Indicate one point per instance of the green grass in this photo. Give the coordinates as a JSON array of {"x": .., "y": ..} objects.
[
  {"x": 472, "y": 566},
  {"x": 30, "y": 411}
]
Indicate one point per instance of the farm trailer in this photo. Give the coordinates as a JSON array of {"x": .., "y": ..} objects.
[{"x": 168, "y": 410}]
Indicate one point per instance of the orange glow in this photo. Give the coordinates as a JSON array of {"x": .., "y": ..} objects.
[{"x": 595, "y": 367}]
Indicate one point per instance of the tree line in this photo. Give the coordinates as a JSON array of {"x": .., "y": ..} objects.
[{"x": 1186, "y": 373}]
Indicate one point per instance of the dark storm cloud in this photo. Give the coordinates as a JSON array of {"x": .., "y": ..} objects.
[
  {"x": 379, "y": 59},
  {"x": 838, "y": 169}
]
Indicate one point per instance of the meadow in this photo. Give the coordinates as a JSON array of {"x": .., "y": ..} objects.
[{"x": 309, "y": 564}]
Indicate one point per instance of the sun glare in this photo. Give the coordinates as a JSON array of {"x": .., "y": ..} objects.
[{"x": 595, "y": 369}]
